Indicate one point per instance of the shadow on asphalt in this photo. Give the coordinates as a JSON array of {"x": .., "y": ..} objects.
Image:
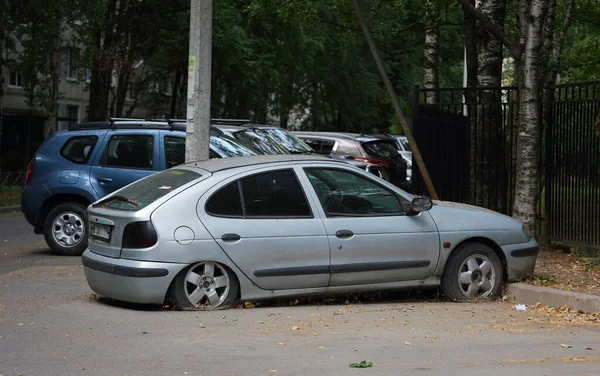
[{"x": 400, "y": 297}]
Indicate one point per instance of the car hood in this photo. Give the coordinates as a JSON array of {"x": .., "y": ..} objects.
[{"x": 452, "y": 216}]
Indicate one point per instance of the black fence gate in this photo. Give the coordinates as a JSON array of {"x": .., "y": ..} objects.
[{"x": 468, "y": 142}]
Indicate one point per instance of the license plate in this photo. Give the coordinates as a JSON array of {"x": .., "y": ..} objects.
[{"x": 100, "y": 231}]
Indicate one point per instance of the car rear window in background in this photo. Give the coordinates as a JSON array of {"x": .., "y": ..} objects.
[
  {"x": 404, "y": 143},
  {"x": 145, "y": 191},
  {"x": 79, "y": 149},
  {"x": 320, "y": 146},
  {"x": 261, "y": 142},
  {"x": 381, "y": 149},
  {"x": 231, "y": 147}
]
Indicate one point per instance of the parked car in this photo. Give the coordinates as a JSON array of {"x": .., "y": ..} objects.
[
  {"x": 363, "y": 148},
  {"x": 401, "y": 144},
  {"x": 203, "y": 235},
  {"x": 77, "y": 167},
  {"x": 271, "y": 140}
]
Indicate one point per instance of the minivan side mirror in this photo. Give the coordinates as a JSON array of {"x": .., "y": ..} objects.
[{"x": 419, "y": 204}]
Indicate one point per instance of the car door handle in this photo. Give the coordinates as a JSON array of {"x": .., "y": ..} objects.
[
  {"x": 230, "y": 237},
  {"x": 344, "y": 234},
  {"x": 105, "y": 180}
]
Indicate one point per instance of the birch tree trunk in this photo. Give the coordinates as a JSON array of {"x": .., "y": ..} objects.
[
  {"x": 528, "y": 140},
  {"x": 431, "y": 79},
  {"x": 4, "y": 4}
]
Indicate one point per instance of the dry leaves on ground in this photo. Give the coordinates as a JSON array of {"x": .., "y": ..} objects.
[{"x": 564, "y": 271}]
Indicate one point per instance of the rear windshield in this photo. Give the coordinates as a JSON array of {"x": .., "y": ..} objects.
[
  {"x": 288, "y": 140},
  {"x": 260, "y": 141},
  {"x": 381, "y": 149},
  {"x": 144, "y": 192}
]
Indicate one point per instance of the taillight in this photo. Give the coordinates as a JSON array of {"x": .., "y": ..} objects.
[
  {"x": 374, "y": 161},
  {"x": 139, "y": 235},
  {"x": 30, "y": 168}
]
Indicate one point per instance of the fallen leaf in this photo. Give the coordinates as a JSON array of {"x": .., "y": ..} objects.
[
  {"x": 407, "y": 343},
  {"x": 272, "y": 370},
  {"x": 565, "y": 346},
  {"x": 260, "y": 322},
  {"x": 587, "y": 348},
  {"x": 321, "y": 347},
  {"x": 248, "y": 305},
  {"x": 363, "y": 364},
  {"x": 202, "y": 326},
  {"x": 281, "y": 343},
  {"x": 315, "y": 334},
  {"x": 295, "y": 328}
]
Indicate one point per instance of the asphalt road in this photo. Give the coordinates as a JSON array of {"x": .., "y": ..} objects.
[{"x": 52, "y": 324}]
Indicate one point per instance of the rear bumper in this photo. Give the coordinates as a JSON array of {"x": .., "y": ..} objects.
[
  {"x": 129, "y": 280},
  {"x": 520, "y": 259}
]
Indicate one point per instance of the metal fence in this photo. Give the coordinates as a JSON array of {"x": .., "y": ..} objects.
[
  {"x": 12, "y": 179},
  {"x": 571, "y": 191},
  {"x": 468, "y": 142}
]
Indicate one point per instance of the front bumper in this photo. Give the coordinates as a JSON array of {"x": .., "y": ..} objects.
[
  {"x": 129, "y": 280},
  {"x": 520, "y": 259}
]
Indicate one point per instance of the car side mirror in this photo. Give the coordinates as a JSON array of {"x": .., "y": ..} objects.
[{"x": 419, "y": 204}]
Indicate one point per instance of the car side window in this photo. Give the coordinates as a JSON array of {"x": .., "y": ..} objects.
[
  {"x": 343, "y": 193},
  {"x": 276, "y": 194},
  {"x": 79, "y": 149},
  {"x": 226, "y": 202},
  {"x": 174, "y": 151},
  {"x": 130, "y": 151}
]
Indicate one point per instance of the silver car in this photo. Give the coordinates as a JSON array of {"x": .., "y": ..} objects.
[{"x": 206, "y": 235}]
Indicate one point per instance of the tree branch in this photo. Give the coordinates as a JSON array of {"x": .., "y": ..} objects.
[
  {"x": 515, "y": 50},
  {"x": 558, "y": 45}
]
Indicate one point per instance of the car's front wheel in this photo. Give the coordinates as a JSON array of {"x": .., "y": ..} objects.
[
  {"x": 65, "y": 229},
  {"x": 204, "y": 286},
  {"x": 473, "y": 271}
]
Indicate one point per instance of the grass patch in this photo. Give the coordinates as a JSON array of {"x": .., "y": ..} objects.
[{"x": 10, "y": 196}]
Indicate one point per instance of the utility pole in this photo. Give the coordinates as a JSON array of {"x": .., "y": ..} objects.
[
  {"x": 395, "y": 102},
  {"x": 199, "y": 76}
]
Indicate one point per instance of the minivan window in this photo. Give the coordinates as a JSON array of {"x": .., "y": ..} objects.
[
  {"x": 79, "y": 149},
  {"x": 174, "y": 151},
  {"x": 145, "y": 191}
]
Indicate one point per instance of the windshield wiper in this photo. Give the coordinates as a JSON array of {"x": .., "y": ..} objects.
[{"x": 115, "y": 198}]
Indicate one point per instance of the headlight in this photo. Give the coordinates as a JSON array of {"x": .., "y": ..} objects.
[{"x": 527, "y": 232}]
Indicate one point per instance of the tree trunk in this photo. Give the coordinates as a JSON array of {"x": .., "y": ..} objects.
[
  {"x": 3, "y": 34},
  {"x": 470, "y": 28},
  {"x": 174, "y": 95},
  {"x": 431, "y": 80},
  {"x": 489, "y": 134},
  {"x": 528, "y": 141},
  {"x": 102, "y": 67},
  {"x": 52, "y": 124}
]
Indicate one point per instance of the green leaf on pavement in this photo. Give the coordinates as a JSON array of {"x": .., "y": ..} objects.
[{"x": 363, "y": 364}]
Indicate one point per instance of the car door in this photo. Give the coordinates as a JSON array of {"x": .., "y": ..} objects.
[
  {"x": 264, "y": 223},
  {"x": 371, "y": 239},
  {"x": 127, "y": 157}
]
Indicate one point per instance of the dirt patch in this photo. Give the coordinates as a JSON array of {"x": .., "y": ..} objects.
[{"x": 566, "y": 271}]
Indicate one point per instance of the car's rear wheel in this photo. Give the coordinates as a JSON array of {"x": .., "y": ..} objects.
[
  {"x": 65, "y": 229},
  {"x": 204, "y": 286},
  {"x": 473, "y": 271}
]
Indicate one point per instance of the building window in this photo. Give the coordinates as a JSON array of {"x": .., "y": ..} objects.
[
  {"x": 15, "y": 79},
  {"x": 71, "y": 67},
  {"x": 72, "y": 115}
]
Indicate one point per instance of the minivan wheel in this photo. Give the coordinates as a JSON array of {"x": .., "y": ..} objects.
[
  {"x": 473, "y": 271},
  {"x": 65, "y": 229},
  {"x": 204, "y": 286}
]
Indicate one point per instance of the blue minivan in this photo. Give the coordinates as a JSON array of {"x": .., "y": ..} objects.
[{"x": 74, "y": 168}]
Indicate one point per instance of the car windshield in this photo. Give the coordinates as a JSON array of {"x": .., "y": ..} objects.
[
  {"x": 292, "y": 143},
  {"x": 260, "y": 141},
  {"x": 231, "y": 147},
  {"x": 143, "y": 192},
  {"x": 381, "y": 149}
]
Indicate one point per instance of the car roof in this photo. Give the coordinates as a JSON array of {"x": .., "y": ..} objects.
[{"x": 214, "y": 165}]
